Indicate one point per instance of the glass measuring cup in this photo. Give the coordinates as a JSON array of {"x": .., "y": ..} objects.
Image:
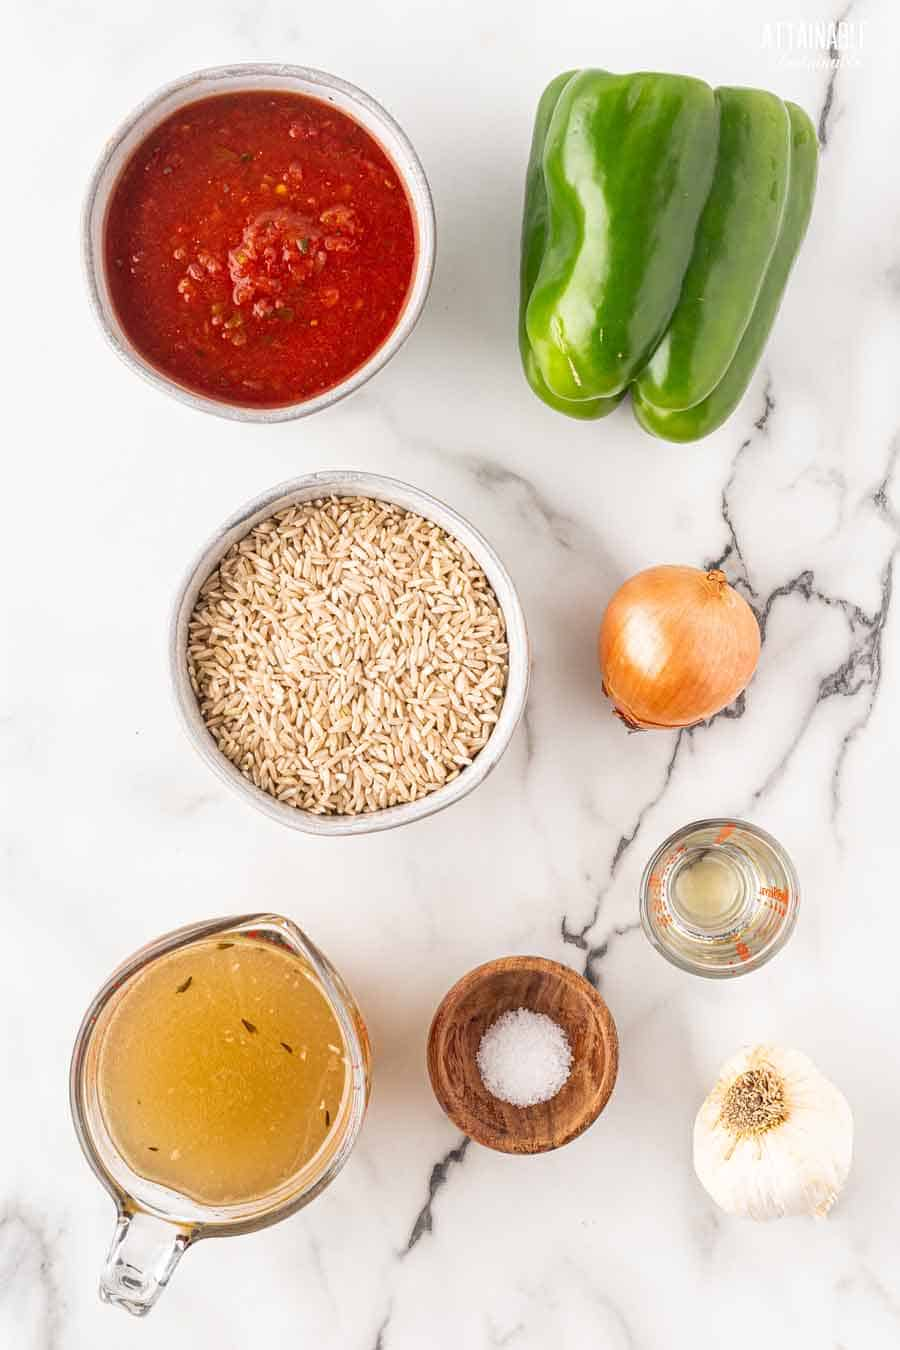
[
  {"x": 156, "y": 1224},
  {"x": 719, "y": 898}
]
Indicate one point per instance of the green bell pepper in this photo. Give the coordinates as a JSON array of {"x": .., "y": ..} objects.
[
  {"x": 661, "y": 221},
  {"x": 533, "y": 243},
  {"x": 690, "y": 424}
]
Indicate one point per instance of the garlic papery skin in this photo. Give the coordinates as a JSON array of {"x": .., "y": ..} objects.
[{"x": 774, "y": 1137}]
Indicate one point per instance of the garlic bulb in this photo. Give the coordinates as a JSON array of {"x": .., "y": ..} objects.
[{"x": 774, "y": 1137}]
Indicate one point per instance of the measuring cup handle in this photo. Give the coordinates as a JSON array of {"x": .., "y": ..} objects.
[{"x": 143, "y": 1254}]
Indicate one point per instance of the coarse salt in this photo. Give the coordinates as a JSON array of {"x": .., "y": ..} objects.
[{"x": 524, "y": 1058}]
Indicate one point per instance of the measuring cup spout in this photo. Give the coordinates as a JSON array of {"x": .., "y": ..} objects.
[{"x": 143, "y": 1254}]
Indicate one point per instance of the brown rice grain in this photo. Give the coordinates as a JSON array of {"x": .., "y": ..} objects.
[{"x": 348, "y": 655}]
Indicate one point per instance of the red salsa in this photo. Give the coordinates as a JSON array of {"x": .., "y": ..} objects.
[{"x": 259, "y": 247}]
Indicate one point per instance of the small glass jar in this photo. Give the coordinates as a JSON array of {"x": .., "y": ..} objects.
[{"x": 719, "y": 898}]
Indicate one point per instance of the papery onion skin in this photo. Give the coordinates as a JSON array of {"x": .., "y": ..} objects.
[{"x": 677, "y": 645}]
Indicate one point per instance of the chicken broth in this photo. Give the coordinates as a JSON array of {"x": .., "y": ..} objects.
[{"x": 222, "y": 1069}]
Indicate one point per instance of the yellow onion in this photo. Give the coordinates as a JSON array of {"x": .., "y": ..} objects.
[{"x": 676, "y": 646}]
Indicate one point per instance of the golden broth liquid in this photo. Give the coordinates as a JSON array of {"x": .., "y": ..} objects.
[{"x": 222, "y": 1070}]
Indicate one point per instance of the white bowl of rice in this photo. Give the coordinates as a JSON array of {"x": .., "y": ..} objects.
[{"x": 349, "y": 654}]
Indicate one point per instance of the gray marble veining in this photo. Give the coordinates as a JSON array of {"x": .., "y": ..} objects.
[{"x": 114, "y": 832}]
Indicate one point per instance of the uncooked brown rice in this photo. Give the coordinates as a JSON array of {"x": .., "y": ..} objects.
[{"x": 348, "y": 655}]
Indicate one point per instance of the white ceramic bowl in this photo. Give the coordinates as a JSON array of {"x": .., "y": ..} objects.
[
  {"x": 229, "y": 79},
  {"x": 349, "y": 483}
]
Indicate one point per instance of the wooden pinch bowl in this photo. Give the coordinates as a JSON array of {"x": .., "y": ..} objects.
[{"x": 474, "y": 1004}]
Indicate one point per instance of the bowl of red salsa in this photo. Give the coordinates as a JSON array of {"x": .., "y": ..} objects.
[{"x": 258, "y": 240}]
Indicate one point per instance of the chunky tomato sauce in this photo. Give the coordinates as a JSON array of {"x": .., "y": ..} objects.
[{"x": 259, "y": 247}]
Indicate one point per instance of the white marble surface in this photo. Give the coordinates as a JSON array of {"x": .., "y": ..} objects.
[{"x": 115, "y": 831}]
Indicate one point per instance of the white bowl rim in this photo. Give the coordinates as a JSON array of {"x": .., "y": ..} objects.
[
  {"x": 351, "y": 483},
  {"x": 421, "y": 205}
]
